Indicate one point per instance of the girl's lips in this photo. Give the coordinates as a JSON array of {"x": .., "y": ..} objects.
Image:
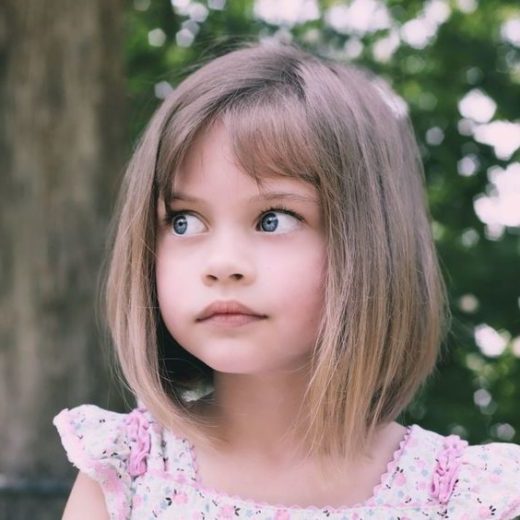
[
  {"x": 229, "y": 307},
  {"x": 232, "y": 320}
]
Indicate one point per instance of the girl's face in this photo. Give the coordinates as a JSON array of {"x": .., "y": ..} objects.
[{"x": 220, "y": 241}]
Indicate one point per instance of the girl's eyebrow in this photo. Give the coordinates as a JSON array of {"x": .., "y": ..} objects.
[{"x": 269, "y": 195}]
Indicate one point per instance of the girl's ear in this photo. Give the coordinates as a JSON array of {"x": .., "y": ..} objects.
[{"x": 86, "y": 500}]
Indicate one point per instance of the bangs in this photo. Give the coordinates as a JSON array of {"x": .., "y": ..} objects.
[{"x": 270, "y": 135}]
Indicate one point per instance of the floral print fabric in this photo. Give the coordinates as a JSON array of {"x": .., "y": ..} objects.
[{"x": 147, "y": 472}]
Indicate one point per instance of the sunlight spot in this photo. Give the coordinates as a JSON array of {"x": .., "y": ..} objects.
[
  {"x": 469, "y": 237},
  {"x": 420, "y": 31},
  {"x": 198, "y": 12},
  {"x": 162, "y": 89},
  {"x": 510, "y": 31},
  {"x": 353, "y": 48},
  {"x": 515, "y": 347},
  {"x": 434, "y": 136},
  {"x": 474, "y": 362},
  {"x": 503, "y": 431},
  {"x": 503, "y": 136},
  {"x": 286, "y": 12},
  {"x": 468, "y": 303},
  {"x": 181, "y": 6},
  {"x": 438, "y": 230},
  {"x": 216, "y": 5},
  {"x": 458, "y": 429},
  {"x": 192, "y": 26},
  {"x": 477, "y": 106},
  {"x": 499, "y": 206},
  {"x": 437, "y": 11},
  {"x": 482, "y": 397},
  {"x": 156, "y": 37},
  {"x": 467, "y": 6},
  {"x": 384, "y": 48},
  {"x": 465, "y": 126},
  {"x": 184, "y": 38},
  {"x": 490, "y": 342},
  {"x": 359, "y": 17},
  {"x": 468, "y": 165}
]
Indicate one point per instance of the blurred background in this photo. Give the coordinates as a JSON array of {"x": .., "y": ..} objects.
[{"x": 78, "y": 82}]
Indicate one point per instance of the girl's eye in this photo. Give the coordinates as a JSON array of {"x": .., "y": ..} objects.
[
  {"x": 270, "y": 220},
  {"x": 278, "y": 219},
  {"x": 179, "y": 221}
]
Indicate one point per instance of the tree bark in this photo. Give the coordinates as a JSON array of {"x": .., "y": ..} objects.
[{"x": 62, "y": 142}]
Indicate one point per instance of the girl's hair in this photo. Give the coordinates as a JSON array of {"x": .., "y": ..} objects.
[{"x": 291, "y": 113}]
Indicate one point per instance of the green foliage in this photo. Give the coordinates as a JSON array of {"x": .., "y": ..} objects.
[{"x": 466, "y": 51}]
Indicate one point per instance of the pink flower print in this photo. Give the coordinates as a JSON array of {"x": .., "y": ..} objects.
[
  {"x": 226, "y": 512},
  {"x": 180, "y": 477},
  {"x": 282, "y": 515},
  {"x": 112, "y": 482},
  {"x": 180, "y": 498},
  {"x": 421, "y": 464},
  {"x": 399, "y": 479}
]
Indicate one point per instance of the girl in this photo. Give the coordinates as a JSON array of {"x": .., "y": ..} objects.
[{"x": 275, "y": 302}]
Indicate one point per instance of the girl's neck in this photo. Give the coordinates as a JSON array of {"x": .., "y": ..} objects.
[{"x": 258, "y": 413}]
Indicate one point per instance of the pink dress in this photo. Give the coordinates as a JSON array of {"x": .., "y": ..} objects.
[{"x": 147, "y": 472}]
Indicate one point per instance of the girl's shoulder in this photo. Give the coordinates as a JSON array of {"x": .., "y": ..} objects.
[{"x": 114, "y": 449}]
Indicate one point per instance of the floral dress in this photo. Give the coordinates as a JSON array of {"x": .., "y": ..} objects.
[{"x": 147, "y": 472}]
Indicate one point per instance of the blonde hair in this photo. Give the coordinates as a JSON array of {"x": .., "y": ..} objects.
[{"x": 289, "y": 112}]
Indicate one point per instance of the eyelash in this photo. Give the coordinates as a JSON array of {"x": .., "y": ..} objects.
[{"x": 171, "y": 214}]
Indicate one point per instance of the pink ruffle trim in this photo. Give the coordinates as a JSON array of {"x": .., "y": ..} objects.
[
  {"x": 100, "y": 470},
  {"x": 140, "y": 442},
  {"x": 448, "y": 464}
]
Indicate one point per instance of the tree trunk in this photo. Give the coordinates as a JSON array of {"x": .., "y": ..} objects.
[{"x": 62, "y": 141}]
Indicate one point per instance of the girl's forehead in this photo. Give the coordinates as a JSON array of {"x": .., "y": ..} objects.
[{"x": 253, "y": 189}]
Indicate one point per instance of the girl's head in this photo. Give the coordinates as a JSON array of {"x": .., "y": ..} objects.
[
  {"x": 352, "y": 292},
  {"x": 262, "y": 246}
]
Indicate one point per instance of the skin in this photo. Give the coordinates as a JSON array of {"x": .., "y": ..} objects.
[{"x": 229, "y": 249}]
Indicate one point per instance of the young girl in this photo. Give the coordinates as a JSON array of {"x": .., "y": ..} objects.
[{"x": 275, "y": 302}]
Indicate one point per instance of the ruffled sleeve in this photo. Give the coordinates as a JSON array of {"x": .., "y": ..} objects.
[
  {"x": 489, "y": 482},
  {"x": 109, "y": 447}
]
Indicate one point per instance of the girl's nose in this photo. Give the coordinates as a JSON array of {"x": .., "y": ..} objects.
[{"x": 228, "y": 262}]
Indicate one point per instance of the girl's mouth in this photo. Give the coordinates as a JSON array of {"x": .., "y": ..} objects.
[{"x": 232, "y": 320}]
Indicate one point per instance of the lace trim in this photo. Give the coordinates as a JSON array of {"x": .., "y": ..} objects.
[
  {"x": 446, "y": 471},
  {"x": 370, "y": 502}
]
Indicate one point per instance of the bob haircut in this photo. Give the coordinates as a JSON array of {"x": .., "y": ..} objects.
[{"x": 289, "y": 112}]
